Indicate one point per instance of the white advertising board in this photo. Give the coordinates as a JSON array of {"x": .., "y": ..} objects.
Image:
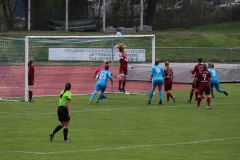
[{"x": 94, "y": 54}]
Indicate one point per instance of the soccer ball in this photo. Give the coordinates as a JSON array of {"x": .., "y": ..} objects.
[{"x": 118, "y": 33}]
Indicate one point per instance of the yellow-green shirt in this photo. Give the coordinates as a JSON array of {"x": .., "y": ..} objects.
[{"x": 66, "y": 96}]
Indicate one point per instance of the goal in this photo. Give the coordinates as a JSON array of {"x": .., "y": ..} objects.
[{"x": 74, "y": 59}]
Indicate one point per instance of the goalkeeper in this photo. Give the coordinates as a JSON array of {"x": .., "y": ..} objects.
[{"x": 157, "y": 75}]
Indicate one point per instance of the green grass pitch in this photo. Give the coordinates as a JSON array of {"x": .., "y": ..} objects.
[{"x": 124, "y": 127}]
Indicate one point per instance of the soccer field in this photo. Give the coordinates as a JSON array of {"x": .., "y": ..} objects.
[{"x": 124, "y": 127}]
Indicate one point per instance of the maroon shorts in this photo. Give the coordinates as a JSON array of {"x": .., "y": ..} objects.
[
  {"x": 195, "y": 86},
  {"x": 168, "y": 85},
  {"x": 123, "y": 71},
  {"x": 204, "y": 88},
  {"x": 30, "y": 83}
]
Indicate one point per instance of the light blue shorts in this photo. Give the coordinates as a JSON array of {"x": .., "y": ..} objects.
[
  {"x": 215, "y": 83},
  {"x": 158, "y": 82},
  {"x": 99, "y": 87}
]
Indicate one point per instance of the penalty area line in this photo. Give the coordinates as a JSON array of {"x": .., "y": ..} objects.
[{"x": 110, "y": 109}]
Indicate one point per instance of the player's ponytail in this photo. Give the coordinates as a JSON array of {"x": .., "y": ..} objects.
[
  {"x": 204, "y": 67},
  {"x": 167, "y": 66},
  {"x": 120, "y": 47},
  {"x": 67, "y": 88}
]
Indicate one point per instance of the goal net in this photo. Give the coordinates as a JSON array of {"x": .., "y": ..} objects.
[
  {"x": 12, "y": 68},
  {"x": 74, "y": 59}
]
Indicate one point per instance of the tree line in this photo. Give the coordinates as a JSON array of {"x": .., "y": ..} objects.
[{"x": 41, "y": 11}]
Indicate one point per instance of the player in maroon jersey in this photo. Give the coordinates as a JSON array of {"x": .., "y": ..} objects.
[
  {"x": 30, "y": 79},
  {"x": 203, "y": 77},
  {"x": 194, "y": 72},
  {"x": 123, "y": 69},
  {"x": 168, "y": 79}
]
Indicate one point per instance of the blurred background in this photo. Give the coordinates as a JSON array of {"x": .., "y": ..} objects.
[{"x": 159, "y": 14}]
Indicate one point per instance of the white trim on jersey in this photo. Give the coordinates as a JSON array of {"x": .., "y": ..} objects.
[{"x": 122, "y": 74}]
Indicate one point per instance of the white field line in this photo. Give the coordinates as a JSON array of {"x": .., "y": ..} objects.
[
  {"x": 9, "y": 100},
  {"x": 8, "y": 87},
  {"x": 112, "y": 109},
  {"x": 123, "y": 147}
]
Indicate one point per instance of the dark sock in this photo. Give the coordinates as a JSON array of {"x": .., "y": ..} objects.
[
  {"x": 119, "y": 83},
  {"x": 170, "y": 95},
  {"x": 57, "y": 129},
  {"x": 196, "y": 94},
  {"x": 30, "y": 93},
  {"x": 208, "y": 101},
  {"x": 191, "y": 94},
  {"x": 124, "y": 83},
  {"x": 198, "y": 101},
  {"x": 65, "y": 133}
]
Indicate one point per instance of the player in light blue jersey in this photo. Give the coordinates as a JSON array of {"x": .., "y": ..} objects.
[
  {"x": 214, "y": 81},
  {"x": 157, "y": 75},
  {"x": 101, "y": 84}
]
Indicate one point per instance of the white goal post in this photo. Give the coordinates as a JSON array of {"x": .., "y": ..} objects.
[{"x": 59, "y": 59}]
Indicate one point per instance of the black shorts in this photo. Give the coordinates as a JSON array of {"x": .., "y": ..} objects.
[{"x": 63, "y": 114}]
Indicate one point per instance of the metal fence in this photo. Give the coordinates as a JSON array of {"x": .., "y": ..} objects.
[
  {"x": 191, "y": 15},
  {"x": 167, "y": 15}
]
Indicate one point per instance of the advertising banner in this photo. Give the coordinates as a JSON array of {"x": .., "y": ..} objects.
[{"x": 94, "y": 54}]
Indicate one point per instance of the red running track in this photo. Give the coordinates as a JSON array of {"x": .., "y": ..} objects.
[{"x": 50, "y": 80}]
